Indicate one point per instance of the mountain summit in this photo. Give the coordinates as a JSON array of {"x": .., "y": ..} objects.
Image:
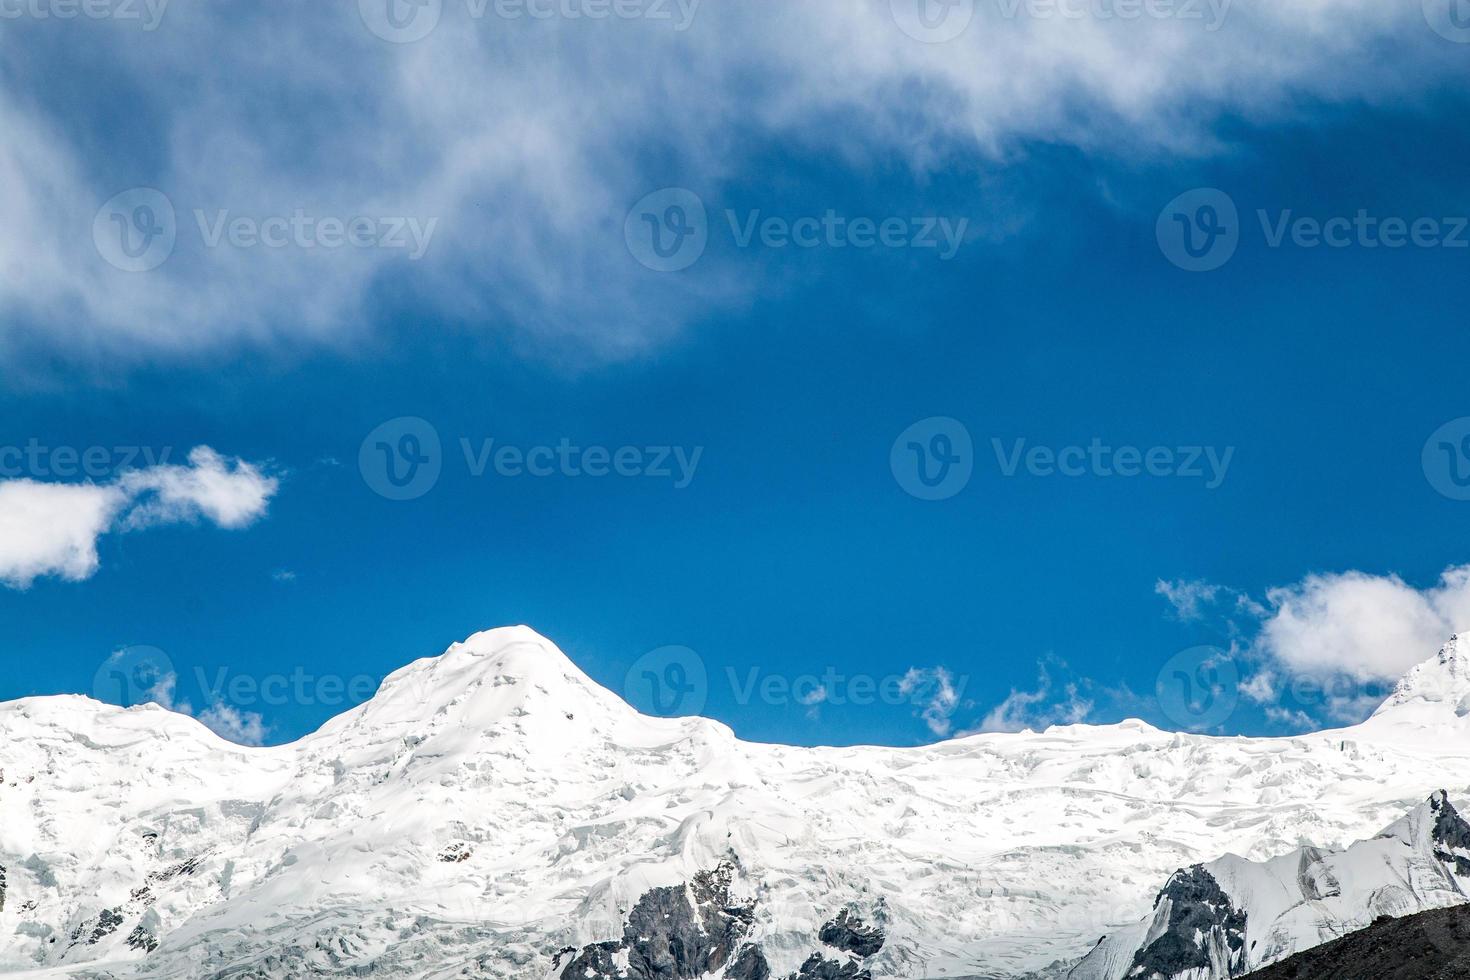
[
  {"x": 1442, "y": 682},
  {"x": 493, "y": 812}
]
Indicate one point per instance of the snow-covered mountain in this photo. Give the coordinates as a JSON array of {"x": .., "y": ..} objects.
[
  {"x": 494, "y": 813},
  {"x": 1232, "y": 916}
]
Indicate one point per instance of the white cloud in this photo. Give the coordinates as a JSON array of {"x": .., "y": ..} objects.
[
  {"x": 226, "y": 721},
  {"x": 1037, "y": 709},
  {"x": 1367, "y": 627},
  {"x": 530, "y": 138},
  {"x": 1187, "y": 598},
  {"x": 53, "y": 528},
  {"x": 229, "y": 493},
  {"x": 935, "y": 692},
  {"x": 1261, "y": 687},
  {"x": 241, "y": 727}
]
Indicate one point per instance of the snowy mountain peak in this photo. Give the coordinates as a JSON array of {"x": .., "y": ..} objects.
[
  {"x": 1443, "y": 681},
  {"x": 499, "y": 674}
]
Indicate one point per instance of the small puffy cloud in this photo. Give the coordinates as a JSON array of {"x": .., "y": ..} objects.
[
  {"x": 230, "y": 493},
  {"x": 53, "y": 528},
  {"x": 1368, "y": 627},
  {"x": 1261, "y": 687},
  {"x": 1037, "y": 709},
  {"x": 231, "y": 724}
]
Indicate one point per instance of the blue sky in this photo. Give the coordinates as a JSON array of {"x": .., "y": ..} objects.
[{"x": 789, "y": 545}]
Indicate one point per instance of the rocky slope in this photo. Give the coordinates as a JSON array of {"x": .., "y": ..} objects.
[
  {"x": 492, "y": 812},
  {"x": 1427, "y": 946},
  {"x": 1230, "y": 916}
]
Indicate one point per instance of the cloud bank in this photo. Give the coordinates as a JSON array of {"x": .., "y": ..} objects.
[
  {"x": 295, "y": 148},
  {"x": 52, "y": 529}
]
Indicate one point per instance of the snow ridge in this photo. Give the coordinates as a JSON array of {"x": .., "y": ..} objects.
[{"x": 493, "y": 806}]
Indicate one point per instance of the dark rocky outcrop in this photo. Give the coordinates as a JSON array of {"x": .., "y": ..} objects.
[
  {"x": 2, "y": 888},
  {"x": 850, "y": 934},
  {"x": 141, "y": 938},
  {"x": 817, "y": 967},
  {"x": 678, "y": 933},
  {"x": 1428, "y": 946},
  {"x": 684, "y": 932},
  {"x": 1203, "y": 929},
  {"x": 1451, "y": 832}
]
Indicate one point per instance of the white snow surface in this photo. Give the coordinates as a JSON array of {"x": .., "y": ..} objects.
[
  {"x": 493, "y": 805},
  {"x": 1311, "y": 896}
]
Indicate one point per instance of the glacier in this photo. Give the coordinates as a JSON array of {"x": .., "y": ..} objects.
[{"x": 492, "y": 812}]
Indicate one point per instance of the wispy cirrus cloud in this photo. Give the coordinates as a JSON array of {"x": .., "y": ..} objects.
[{"x": 527, "y": 138}]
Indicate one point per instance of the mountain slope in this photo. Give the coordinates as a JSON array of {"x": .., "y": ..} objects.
[
  {"x": 1230, "y": 916},
  {"x": 492, "y": 807},
  {"x": 1428, "y": 946}
]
